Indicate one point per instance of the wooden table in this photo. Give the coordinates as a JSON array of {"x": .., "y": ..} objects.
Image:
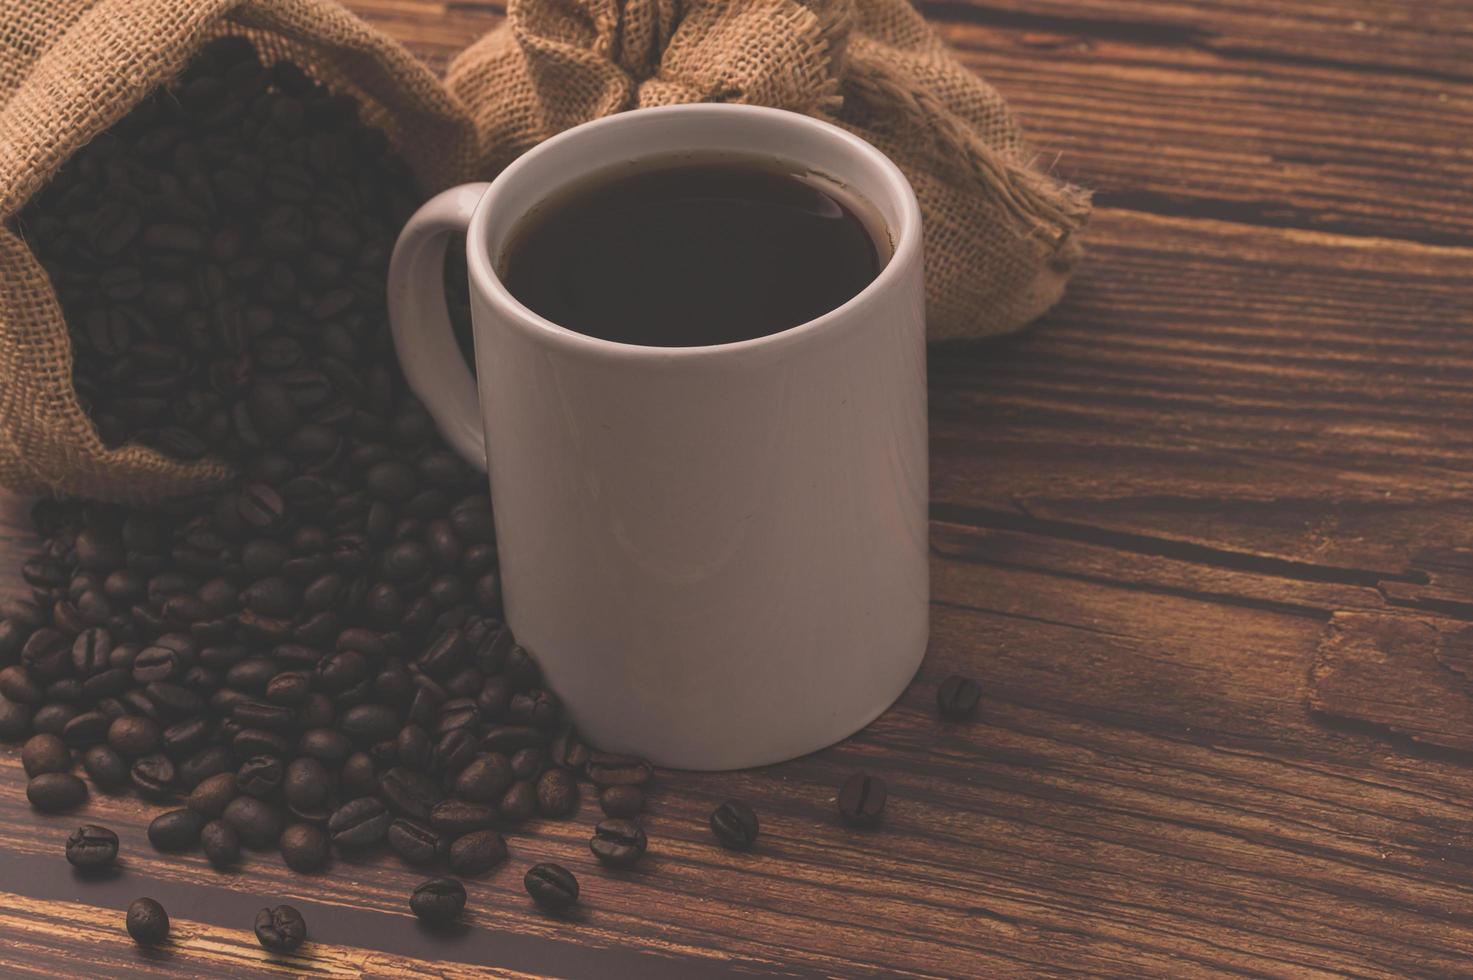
[{"x": 1196, "y": 534}]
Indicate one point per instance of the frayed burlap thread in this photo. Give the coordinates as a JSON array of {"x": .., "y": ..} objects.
[
  {"x": 69, "y": 69},
  {"x": 1001, "y": 236}
]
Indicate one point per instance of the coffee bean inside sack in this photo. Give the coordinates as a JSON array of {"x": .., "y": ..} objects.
[{"x": 309, "y": 659}]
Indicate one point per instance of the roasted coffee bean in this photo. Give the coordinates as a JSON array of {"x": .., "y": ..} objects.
[
  {"x": 177, "y": 830},
  {"x": 359, "y": 823},
  {"x": 154, "y": 776},
  {"x": 210, "y": 797},
  {"x": 414, "y": 747},
  {"x": 557, "y": 793},
  {"x": 257, "y": 823},
  {"x": 510, "y": 738},
  {"x": 260, "y": 776},
  {"x": 621, "y": 801},
  {"x": 17, "y": 685},
  {"x": 413, "y": 841},
  {"x": 326, "y": 746},
  {"x": 15, "y": 720},
  {"x": 91, "y": 651},
  {"x": 105, "y": 767},
  {"x": 134, "y": 736},
  {"x": 186, "y": 736},
  {"x": 477, "y": 852},
  {"x": 307, "y": 786},
  {"x": 55, "y": 791},
  {"x": 438, "y": 900},
  {"x": 528, "y": 763},
  {"x": 369, "y": 723},
  {"x": 569, "y": 752},
  {"x": 304, "y": 847},
  {"x": 454, "y": 751},
  {"x": 147, "y": 922},
  {"x": 91, "y": 846},
  {"x": 519, "y": 802},
  {"x": 735, "y": 825},
  {"x": 261, "y": 507},
  {"x": 221, "y": 843},
  {"x": 618, "y": 843},
  {"x": 862, "y": 800},
  {"x": 51, "y": 719},
  {"x": 87, "y": 728},
  {"x": 359, "y": 776},
  {"x": 281, "y": 930},
  {"x": 485, "y": 779},
  {"x": 207, "y": 762},
  {"x": 45, "y": 753},
  {"x": 455, "y": 817},
  {"x": 274, "y": 597},
  {"x": 551, "y": 886},
  {"x": 957, "y": 697},
  {"x": 264, "y": 715},
  {"x": 538, "y": 708},
  {"x": 605, "y": 769}
]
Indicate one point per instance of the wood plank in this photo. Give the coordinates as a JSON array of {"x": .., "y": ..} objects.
[
  {"x": 1178, "y": 129},
  {"x": 1429, "y": 37},
  {"x": 1289, "y": 395}
]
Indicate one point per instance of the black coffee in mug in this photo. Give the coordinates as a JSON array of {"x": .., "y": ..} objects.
[{"x": 693, "y": 252}]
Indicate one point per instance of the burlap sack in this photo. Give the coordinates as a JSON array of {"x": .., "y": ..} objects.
[
  {"x": 71, "y": 68},
  {"x": 1001, "y": 237}
]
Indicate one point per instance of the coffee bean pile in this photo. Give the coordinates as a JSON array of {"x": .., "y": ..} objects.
[{"x": 310, "y": 659}]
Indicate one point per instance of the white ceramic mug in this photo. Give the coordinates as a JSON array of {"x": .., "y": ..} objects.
[{"x": 717, "y": 554}]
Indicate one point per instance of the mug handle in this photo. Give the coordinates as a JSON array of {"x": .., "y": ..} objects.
[{"x": 420, "y": 322}]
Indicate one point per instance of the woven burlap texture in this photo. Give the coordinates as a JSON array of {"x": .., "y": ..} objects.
[
  {"x": 71, "y": 68},
  {"x": 1001, "y": 236}
]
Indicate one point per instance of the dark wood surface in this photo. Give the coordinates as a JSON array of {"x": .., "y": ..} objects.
[{"x": 1203, "y": 535}]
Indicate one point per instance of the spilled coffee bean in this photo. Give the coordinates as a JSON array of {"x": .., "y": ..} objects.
[
  {"x": 438, "y": 900},
  {"x": 147, "y": 922},
  {"x": 618, "y": 843},
  {"x": 281, "y": 929},
  {"x": 735, "y": 825},
  {"x": 91, "y": 846},
  {"x": 551, "y": 886}
]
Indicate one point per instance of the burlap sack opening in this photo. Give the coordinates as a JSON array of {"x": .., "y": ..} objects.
[
  {"x": 69, "y": 69},
  {"x": 1001, "y": 237}
]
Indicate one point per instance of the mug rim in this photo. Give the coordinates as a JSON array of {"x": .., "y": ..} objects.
[{"x": 483, "y": 275}]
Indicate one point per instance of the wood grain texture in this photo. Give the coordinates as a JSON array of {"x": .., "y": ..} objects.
[{"x": 1237, "y": 455}]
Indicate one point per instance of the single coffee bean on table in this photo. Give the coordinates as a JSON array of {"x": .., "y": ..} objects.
[
  {"x": 957, "y": 697},
  {"x": 551, "y": 886},
  {"x": 735, "y": 825},
  {"x": 281, "y": 929},
  {"x": 147, "y": 922},
  {"x": 91, "y": 846},
  {"x": 862, "y": 800},
  {"x": 618, "y": 843},
  {"x": 438, "y": 900}
]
